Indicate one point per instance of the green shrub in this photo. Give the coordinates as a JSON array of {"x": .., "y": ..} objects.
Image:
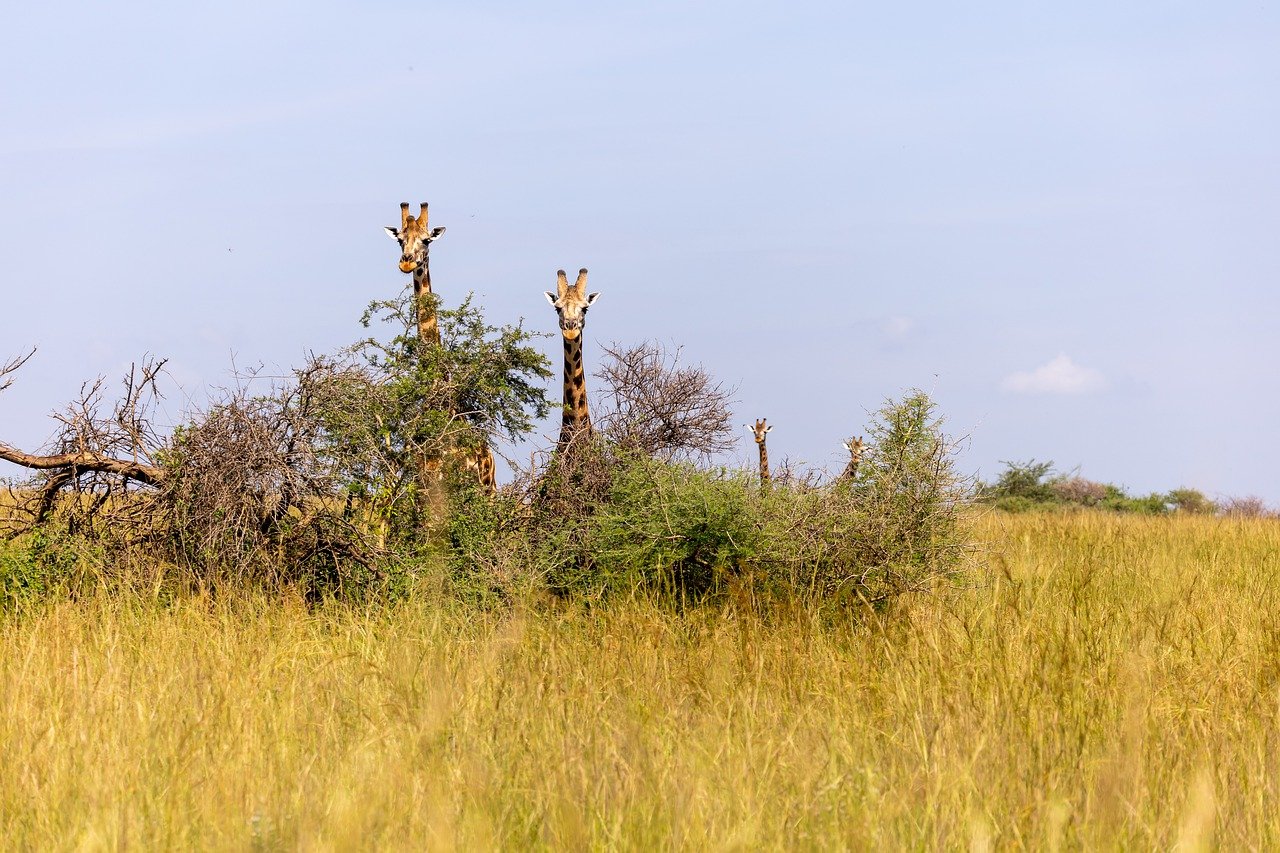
[
  {"x": 36, "y": 565},
  {"x": 1028, "y": 480},
  {"x": 1190, "y": 501},
  {"x": 1028, "y": 486},
  {"x": 674, "y": 529},
  {"x": 1017, "y": 503},
  {"x": 900, "y": 524},
  {"x": 602, "y": 525}
]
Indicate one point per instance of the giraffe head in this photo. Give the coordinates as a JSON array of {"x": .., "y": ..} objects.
[
  {"x": 855, "y": 446},
  {"x": 414, "y": 237},
  {"x": 571, "y": 303},
  {"x": 760, "y": 429}
]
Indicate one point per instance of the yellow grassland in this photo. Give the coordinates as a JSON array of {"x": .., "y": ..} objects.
[{"x": 1096, "y": 681}]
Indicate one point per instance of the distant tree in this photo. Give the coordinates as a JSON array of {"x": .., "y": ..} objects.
[
  {"x": 1020, "y": 485},
  {"x": 1078, "y": 490},
  {"x": 1190, "y": 501},
  {"x": 1249, "y": 506}
]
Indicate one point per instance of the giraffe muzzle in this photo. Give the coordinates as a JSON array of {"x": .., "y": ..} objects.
[{"x": 407, "y": 266}]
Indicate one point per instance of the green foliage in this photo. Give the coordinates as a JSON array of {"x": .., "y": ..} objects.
[
  {"x": 1026, "y": 481},
  {"x": 674, "y": 529},
  {"x": 1191, "y": 501},
  {"x": 1033, "y": 486},
  {"x": 660, "y": 528},
  {"x": 1016, "y": 503},
  {"x": 1118, "y": 500},
  {"x": 392, "y": 407},
  {"x": 488, "y": 375},
  {"x": 352, "y": 480},
  {"x": 36, "y": 565},
  {"x": 489, "y": 560}
]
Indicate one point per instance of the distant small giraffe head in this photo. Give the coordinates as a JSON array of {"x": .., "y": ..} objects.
[
  {"x": 571, "y": 303},
  {"x": 414, "y": 237},
  {"x": 760, "y": 429},
  {"x": 855, "y": 446}
]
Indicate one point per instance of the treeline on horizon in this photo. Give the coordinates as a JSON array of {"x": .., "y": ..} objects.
[{"x": 1036, "y": 486}]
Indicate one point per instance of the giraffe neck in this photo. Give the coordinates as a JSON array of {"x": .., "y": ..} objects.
[
  {"x": 480, "y": 460},
  {"x": 851, "y": 470},
  {"x": 428, "y": 326},
  {"x": 575, "y": 418},
  {"x": 764, "y": 464}
]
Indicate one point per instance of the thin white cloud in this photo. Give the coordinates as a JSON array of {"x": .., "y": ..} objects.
[
  {"x": 897, "y": 328},
  {"x": 1059, "y": 376}
]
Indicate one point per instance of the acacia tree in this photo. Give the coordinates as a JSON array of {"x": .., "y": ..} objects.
[{"x": 384, "y": 405}]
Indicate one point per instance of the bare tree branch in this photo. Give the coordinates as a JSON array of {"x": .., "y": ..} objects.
[
  {"x": 11, "y": 366},
  {"x": 84, "y": 461},
  {"x": 652, "y": 404},
  {"x": 100, "y": 456}
]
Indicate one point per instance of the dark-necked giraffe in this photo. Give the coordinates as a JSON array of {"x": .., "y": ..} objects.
[
  {"x": 761, "y": 430},
  {"x": 855, "y": 447},
  {"x": 415, "y": 237},
  {"x": 571, "y": 304}
]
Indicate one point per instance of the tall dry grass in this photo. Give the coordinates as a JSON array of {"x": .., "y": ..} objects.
[{"x": 1101, "y": 681}]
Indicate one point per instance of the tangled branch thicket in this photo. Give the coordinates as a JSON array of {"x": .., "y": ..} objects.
[
  {"x": 316, "y": 481},
  {"x": 652, "y": 406}
]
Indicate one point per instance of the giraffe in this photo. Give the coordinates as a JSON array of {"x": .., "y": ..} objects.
[
  {"x": 571, "y": 304},
  {"x": 415, "y": 237},
  {"x": 855, "y": 447},
  {"x": 761, "y": 431}
]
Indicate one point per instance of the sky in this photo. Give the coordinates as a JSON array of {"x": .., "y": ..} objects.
[{"x": 1059, "y": 220}]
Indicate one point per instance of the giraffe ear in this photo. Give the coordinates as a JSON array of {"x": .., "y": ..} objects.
[
  {"x": 395, "y": 235},
  {"x": 436, "y": 232},
  {"x": 769, "y": 428},
  {"x": 846, "y": 446},
  {"x": 551, "y": 297},
  {"x": 748, "y": 427},
  {"x": 592, "y": 298}
]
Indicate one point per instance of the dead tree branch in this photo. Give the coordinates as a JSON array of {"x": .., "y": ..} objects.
[
  {"x": 11, "y": 366},
  {"x": 84, "y": 461},
  {"x": 652, "y": 404}
]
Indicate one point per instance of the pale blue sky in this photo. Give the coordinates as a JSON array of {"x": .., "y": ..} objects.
[{"x": 1059, "y": 219}]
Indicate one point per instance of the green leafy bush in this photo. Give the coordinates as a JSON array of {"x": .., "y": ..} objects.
[
  {"x": 608, "y": 525},
  {"x": 1030, "y": 486},
  {"x": 675, "y": 529},
  {"x": 1027, "y": 482},
  {"x": 35, "y": 565},
  {"x": 1191, "y": 501}
]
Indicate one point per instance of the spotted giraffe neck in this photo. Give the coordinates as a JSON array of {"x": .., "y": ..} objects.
[
  {"x": 575, "y": 418},
  {"x": 764, "y": 463},
  {"x": 428, "y": 325}
]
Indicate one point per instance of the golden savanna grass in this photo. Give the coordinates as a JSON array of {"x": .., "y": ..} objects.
[{"x": 1096, "y": 681}]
